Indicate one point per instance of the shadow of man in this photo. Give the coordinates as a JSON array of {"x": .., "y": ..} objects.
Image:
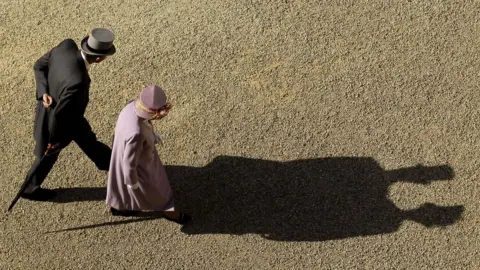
[
  {"x": 80, "y": 194},
  {"x": 303, "y": 200}
]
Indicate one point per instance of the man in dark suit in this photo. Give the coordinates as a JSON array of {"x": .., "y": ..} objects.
[{"x": 62, "y": 86}]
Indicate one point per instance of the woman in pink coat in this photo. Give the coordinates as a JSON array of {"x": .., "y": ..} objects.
[{"x": 137, "y": 180}]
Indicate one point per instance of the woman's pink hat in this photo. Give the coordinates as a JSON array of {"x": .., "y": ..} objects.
[{"x": 150, "y": 101}]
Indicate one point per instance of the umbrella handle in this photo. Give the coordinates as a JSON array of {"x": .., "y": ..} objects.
[{"x": 28, "y": 179}]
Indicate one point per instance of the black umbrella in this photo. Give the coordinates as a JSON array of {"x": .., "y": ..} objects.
[{"x": 29, "y": 177}]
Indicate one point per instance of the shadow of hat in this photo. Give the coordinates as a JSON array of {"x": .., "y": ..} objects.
[{"x": 99, "y": 43}]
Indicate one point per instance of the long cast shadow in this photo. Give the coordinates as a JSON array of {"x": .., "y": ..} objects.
[{"x": 302, "y": 200}]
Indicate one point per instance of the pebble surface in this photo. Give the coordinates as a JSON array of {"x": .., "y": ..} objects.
[{"x": 288, "y": 117}]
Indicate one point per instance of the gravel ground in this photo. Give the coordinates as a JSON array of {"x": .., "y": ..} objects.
[{"x": 304, "y": 134}]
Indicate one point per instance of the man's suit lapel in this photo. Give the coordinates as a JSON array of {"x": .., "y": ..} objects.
[
  {"x": 87, "y": 77},
  {"x": 80, "y": 60},
  {"x": 82, "y": 64}
]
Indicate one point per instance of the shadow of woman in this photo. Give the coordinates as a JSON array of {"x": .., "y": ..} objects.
[{"x": 303, "y": 200}]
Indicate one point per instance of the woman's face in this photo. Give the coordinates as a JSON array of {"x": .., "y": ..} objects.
[{"x": 162, "y": 112}]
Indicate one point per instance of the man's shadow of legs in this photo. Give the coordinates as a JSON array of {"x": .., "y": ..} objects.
[
  {"x": 80, "y": 194},
  {"x": 303, "y": 200}
]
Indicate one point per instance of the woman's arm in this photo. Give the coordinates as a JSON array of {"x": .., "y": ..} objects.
[{"x": 131, "y": 156}]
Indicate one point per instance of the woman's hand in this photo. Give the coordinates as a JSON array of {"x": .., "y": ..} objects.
[{"x": 158, "y": 138}]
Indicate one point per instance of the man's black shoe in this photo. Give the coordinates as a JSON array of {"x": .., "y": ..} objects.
[{"x": 40, "y": 194}]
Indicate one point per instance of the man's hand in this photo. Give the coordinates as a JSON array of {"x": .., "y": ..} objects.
[
  {"x": 47, "y": 100},
  {"x": 51, "y": 147}
]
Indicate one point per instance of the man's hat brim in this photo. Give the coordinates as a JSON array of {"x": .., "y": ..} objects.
[{"x": 86, "y": 50}]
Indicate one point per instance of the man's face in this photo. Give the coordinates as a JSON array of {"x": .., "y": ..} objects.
[{"x": 100, "y": 59}]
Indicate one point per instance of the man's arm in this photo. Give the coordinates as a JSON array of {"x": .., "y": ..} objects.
[
  {"x": 41, "y": 74},
  {"x": 65, "y": 113}
]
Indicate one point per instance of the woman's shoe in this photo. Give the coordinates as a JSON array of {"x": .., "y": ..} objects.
[{"x": 124, "y": 213}]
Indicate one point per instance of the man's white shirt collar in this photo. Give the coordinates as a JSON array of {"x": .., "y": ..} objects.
[{"x": 87, "y": 65}]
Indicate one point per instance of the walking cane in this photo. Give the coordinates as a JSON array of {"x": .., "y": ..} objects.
[{"x": 29, "y": 177}]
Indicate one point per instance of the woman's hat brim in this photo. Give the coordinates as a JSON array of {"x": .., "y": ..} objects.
[{"x": 141, "y": 113}]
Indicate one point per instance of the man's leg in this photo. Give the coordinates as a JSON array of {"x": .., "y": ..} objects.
[
  {"x": 33, "y": 190},
  {"x": 97, "y": 151}
]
